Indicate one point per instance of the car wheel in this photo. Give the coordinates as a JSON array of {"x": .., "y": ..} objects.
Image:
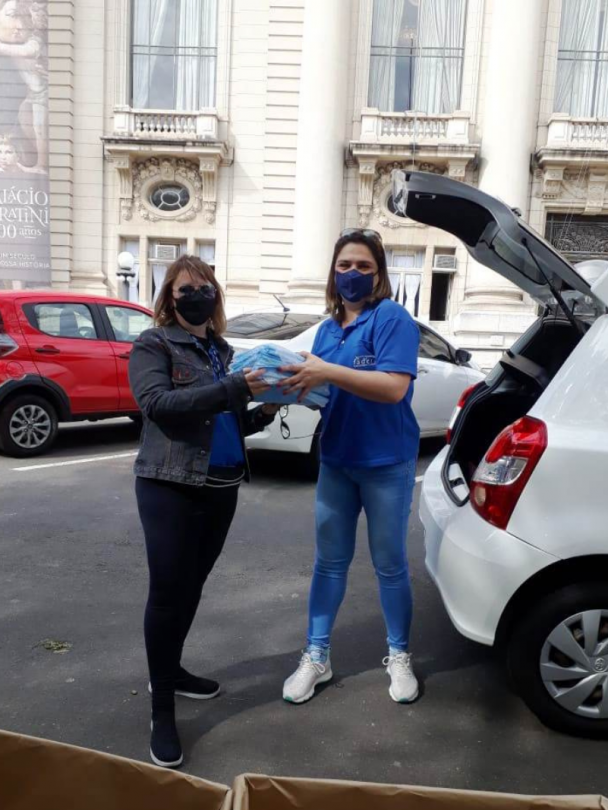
[
  {"x": 28, "y": 426},
  {"x": 558, "y": 659}
]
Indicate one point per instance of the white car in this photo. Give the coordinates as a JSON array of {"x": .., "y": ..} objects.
[
  {"x": 444, "y": 372},
  {"x": 515, "y": 509}
]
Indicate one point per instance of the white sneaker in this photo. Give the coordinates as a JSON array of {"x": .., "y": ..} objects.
[
  {"x": 300, "y": 686},
  {"x": 404, "y": 686}
]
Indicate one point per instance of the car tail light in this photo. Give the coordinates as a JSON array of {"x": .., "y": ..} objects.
[
  {"x": 506, "y": 469},
  {"x": 459, "y": 406},
  {"x": 7, "y": 344}
]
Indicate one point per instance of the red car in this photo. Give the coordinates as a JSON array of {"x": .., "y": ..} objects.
[{"x": 63, "y": 357}]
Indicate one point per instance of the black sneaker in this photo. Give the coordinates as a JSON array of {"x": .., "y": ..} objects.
[
  {"x": 165, "y": 747},
  {"x": 190, "y": 686}
]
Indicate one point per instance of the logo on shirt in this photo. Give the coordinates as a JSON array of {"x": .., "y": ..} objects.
[{"x": 364, "y": 360}]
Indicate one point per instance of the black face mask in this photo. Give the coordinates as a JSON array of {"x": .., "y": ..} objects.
[{"x": 198, "y": 306}]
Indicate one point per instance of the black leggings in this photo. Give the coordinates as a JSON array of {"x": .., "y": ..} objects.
[{"x": 185, "y": 529}]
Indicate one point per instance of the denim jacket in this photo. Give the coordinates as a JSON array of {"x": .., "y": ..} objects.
[{"x": 172, "y": 381}]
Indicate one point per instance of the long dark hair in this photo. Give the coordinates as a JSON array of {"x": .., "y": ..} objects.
[
  {"x": 335, "y": 305},
  {"x": 164, "y": 310}
]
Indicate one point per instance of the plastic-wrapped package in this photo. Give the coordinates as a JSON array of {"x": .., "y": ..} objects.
[{"x": 272, "y": 357}]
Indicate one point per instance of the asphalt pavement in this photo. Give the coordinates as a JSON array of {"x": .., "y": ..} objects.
[{"x": 72, "y": 663}]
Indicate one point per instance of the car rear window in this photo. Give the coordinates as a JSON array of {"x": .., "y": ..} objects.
[
  {"x": 62, "y": 320},
  {"x": 270, "y": 325}
]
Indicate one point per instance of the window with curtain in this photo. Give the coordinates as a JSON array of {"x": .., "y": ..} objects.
[
  {"x": 582, "y": 61},
  {"x": 417, "y": 55},
  {"x": 174, "y": 54},
  {"x": 405, "y": 269},
  {"x": 161, "y": 255},
  {"x": 206, "y": 252}
]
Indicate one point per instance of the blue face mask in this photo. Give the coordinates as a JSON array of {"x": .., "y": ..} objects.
[{"x": 354, "y": 286}]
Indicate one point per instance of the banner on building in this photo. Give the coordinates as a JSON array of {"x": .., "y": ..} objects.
[{"x": 25, "y": 245}]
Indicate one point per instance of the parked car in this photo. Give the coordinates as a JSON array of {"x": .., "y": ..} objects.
[
  {"x": 514, "y": 508},
  {"x": 63, "y": 357},
  {"x": 444, "y": 373}
]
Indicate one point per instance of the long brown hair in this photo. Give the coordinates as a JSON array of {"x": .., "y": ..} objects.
[
  {"x": 335, "y": 305},
  {"x": 164, "y": 310}
]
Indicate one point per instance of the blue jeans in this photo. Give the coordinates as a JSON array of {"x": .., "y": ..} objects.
[{"x": 385, "y": 493}]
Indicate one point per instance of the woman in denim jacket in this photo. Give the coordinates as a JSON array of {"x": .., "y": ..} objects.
[{"x": 191, "y": 462}]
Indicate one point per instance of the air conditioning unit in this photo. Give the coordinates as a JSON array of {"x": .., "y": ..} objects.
[
  {"x": 166, "y": 253},
  {"x": 445, "y": 262}
]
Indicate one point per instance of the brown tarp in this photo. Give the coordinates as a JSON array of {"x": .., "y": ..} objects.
[{"x": 42, "y": 775}]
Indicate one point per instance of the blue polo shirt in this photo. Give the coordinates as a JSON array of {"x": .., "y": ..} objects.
[{"x": 357, "y": 432}]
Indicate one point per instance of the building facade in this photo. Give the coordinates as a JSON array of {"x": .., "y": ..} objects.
[{"x": 251, "y": 132}]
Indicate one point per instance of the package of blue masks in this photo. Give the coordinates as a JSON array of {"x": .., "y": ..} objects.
[{"x": 272, "y": 357}]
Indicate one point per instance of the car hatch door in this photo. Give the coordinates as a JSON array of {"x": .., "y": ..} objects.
[{"x": 493, "y": 234}]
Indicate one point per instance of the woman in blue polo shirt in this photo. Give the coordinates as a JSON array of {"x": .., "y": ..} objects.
[{"x": 367, "y": 351}]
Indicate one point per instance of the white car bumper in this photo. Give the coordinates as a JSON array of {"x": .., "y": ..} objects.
[{"x": 476, "y": 567}]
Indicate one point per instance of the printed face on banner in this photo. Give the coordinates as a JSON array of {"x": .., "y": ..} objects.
[{"x": 24, "y": 142}]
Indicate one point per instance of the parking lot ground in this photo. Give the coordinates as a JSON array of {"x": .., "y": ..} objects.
[{"x": 73, "y": 573}]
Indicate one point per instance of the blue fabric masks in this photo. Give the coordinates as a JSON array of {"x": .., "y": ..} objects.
[
  {"x": 354, "y": 286},
  {"x": 271, "y": 357}
]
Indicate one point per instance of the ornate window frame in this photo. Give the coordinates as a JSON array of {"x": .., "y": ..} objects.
[{"x": 147, "y": 175}]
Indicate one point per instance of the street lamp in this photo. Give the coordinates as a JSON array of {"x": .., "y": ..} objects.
[{"x": 126, "y": 271}]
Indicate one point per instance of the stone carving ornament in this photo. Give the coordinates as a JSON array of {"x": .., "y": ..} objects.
[
  {"x": 153, "y": 172},
  {"x": 382, "y": 193},
  {"x": 576, "y": 188},
  {"x": 575, "y": 184}
]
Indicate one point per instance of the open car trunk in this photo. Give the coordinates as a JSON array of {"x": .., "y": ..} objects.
[
  {"x": 495, "y": 236},
  {"x": 508, "y": 393}
]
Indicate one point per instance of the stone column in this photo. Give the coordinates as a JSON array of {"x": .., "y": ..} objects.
[
  {"x": 61, "y": 139},
  {"x": 320, "y": 145},
  {"x": 122, "y": 54},
  {"x": 87, "y": 273},
  {"x": 493, "y": 309}
]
